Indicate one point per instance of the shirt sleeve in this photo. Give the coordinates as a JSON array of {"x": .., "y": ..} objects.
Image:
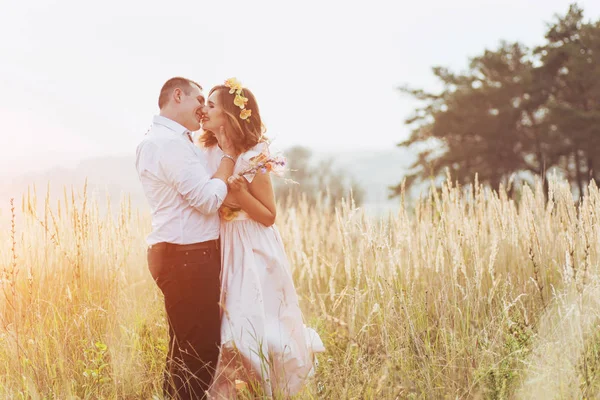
[{"x": 184, "y": 169}]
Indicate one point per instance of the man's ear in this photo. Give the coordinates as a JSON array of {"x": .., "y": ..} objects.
[{"x": 177, "y": 95}]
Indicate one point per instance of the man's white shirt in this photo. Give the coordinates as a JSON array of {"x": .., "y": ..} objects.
[{"x": 184, "y": 200}]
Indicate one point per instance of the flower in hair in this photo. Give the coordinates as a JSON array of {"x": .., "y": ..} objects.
[
  {"x": 245, "y": 114},
  {"x": 239, "y": 100},
  {"x": 234, "y": 85}
]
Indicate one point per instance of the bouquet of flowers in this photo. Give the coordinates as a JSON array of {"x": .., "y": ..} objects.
[{"x": 264, "y": 162}]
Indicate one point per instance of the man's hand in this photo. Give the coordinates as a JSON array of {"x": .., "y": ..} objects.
[{"x": 237, "y": 183}]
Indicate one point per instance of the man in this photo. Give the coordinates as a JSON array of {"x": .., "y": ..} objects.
[{"x": 183, "y": 254}]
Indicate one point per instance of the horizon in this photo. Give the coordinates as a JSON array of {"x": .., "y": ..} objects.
[{"x": 71, "y": 164}]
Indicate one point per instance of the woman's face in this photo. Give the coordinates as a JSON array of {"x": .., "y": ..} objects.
[{"x": 214, "y": 114}]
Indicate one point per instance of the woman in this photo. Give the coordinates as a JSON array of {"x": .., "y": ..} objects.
[{"x": 263, "y": 336}]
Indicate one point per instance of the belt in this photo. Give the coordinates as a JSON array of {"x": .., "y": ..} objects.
[{"x": 171, "y": 247}]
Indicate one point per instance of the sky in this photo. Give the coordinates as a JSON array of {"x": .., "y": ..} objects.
[{"x": 81, "y": 79}]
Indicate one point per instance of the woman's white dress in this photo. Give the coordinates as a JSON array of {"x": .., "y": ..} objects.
[{"x": 261, "y": 322}]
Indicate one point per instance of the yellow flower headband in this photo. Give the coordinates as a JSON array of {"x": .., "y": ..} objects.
[{"x": 235, "y": 86}]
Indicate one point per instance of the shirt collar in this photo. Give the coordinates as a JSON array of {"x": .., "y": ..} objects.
[{"x": 169, "y": 124}]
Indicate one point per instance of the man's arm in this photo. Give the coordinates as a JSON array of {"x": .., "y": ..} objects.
[{"x": 186, "y": 172}]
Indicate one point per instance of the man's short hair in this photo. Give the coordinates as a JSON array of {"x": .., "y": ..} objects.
[{"x": 178, "y": 82}]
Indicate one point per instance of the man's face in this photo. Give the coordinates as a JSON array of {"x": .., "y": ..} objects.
[{"x": 189, "y": 107}]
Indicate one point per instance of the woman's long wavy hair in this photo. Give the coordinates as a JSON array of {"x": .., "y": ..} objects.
[{"x": 244, "y": 134}]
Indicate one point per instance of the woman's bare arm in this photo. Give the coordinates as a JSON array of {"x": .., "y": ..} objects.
[{"x": 257, "y": 198}]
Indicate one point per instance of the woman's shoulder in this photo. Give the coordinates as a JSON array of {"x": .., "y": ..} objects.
[{"x": 260, "y": 147}]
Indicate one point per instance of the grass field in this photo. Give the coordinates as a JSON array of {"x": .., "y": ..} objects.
[{"x": 466, "y": 294}]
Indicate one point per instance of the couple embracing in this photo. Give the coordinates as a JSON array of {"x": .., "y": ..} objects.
[{"x": 214, "y": 251}]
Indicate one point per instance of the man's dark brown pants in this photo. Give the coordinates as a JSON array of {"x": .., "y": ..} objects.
[{"x": 189, "y": 278}]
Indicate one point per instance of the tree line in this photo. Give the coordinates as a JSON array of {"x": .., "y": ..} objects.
[{"x": 516, "y": 111}]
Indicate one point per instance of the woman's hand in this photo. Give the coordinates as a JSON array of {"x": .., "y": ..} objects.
[
  {"x": 224, "y": 142},
  {"x": 221, "y": 137},
  {"x": 237, "y": 183}
]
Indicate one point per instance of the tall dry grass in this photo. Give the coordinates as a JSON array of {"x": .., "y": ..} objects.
[{"x": 466, "y": 295}]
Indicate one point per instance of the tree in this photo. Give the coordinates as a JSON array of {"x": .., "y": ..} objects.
[
  {"x": 314, "y": 180},
  {"x": 479, "y": 123},
  {"x": 570, "y": 70},
  {"x": 514, "y": 111}
]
